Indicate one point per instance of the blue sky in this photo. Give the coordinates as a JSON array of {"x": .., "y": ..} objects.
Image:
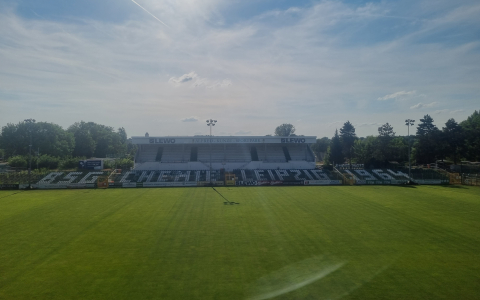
[{"x": 166, "y": 66}]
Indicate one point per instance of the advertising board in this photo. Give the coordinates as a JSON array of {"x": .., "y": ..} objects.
[
  {"x": 322, "y": 182},
  {"x": 398, "y": 182},
  {"x": 378, "y": 182},
  {"x": 9, "y": 186},
  {"x": 175, "y": 183},
  {"x": 431, "y": 181},
  {"x": 208, "y": 183},
  {"x": 267, "y": 182},
  {"x": 47, "y": 186},
  {"x": 293, "y": 182},
  {"x": 90, "y": 164},
  {"x": 278, "y": 182},
  {"x": 245, "y": 183}
]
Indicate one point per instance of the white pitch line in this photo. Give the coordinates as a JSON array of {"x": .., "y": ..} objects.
[{"x": 150, "y": 13}]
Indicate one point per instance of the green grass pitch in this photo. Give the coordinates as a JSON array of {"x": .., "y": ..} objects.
[{"x": 337, "y": 242}]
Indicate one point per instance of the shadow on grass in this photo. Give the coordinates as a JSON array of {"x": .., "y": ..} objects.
[
  {"x": 406, "y": 186},
  {"x": 454, "y": 186}
]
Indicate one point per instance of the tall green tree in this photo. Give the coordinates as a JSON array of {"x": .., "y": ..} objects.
[
  {"x": 453, "y": 139},
  {"x": 334, "y": 152},
  {"x": 347, "y": 138},
  {"x": 285, "y": 130},
  {"x": 123, "y": 135},
  {"x": 400, "y": 149},
  {"x": 365, "y": 150},
  {"x": 47, "y": 138},
  {"x": 131, "y": 149},
  {"x": 386, "y": 132},
  {"x": 384, "y": 151},
  {"x": 428, "y": 141},
  {"x": 84, "y": 143},
  {"x": 320, "y": 147},
  {"x": 98, "y": 140},
  {"x": 471, "y": 129}
]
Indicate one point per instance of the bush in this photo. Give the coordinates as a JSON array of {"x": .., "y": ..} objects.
[
  {"x": 18, "y": 162},
  {"x": 48, "y": 162},
  {"x": 70, "y": 163},
  {"x": 124, "y": 163},
  {"x": 108, "y": 164},
  {"x": 328, "y": 167}
]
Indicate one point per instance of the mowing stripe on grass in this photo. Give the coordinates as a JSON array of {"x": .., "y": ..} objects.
[{"x": 179, "y": 243}]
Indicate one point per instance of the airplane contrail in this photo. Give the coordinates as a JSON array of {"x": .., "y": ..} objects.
[{"x": 150, "y": 13}]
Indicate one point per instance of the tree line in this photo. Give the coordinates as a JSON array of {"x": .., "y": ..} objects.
[
  {"x": 454, "y": 141},
  {"x": 54, "y": 147}
]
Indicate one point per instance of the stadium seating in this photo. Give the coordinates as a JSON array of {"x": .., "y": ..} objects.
[
  {"x": 277, "y": 176},
  {"x": 301, "y": 152},
  {"x": 147, "y": 153},
  {"x": 19, "y": 177},
  {"x": 175, "y": 153},
  {"x": 216, "y": 152},
  {"x": 224, "y": 156},
  {"x": 388, "y": 176},
  {"x": 238, "y": 153},
  {"x": 166, "y": 176},
  {"x": 64, "y": 179},
  {"x": 282, "y": 175}
]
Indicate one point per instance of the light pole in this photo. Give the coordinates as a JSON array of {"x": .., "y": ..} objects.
[
  {"x": 30, "y": 122},
  {"x": 409, "y": 122},
  {"x": 211, "y": 123}
]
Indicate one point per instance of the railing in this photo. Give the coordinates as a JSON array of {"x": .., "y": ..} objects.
[
  {"x": 471, "y": 179},
  {"x": 345, "y": 180}
]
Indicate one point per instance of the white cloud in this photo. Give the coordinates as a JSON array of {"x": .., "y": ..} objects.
[
  {"x": 219, "y": 84},
  {"x": 396, "y": 95},
  {"x": 190, "y": 119},
  {"x": 183, "y": 79},
  {"x": 334, "y": 124},
  {"x": 150, "y": 13},
  {"x": 308, "y": 63},
  {"x": 440, "y": 111},
  {"x": 198, "y": 81},
  {"x": 422, "y": 105},
  {"x": 369, "y": 124},
  {"x": 457, "y": 111}
]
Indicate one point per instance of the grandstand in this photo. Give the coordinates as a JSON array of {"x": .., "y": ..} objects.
[
  {"x": 224, "y": 153},
  {"x": 206, "y": 161}
]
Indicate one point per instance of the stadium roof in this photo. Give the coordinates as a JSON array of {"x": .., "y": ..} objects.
[{"x": 223, "y": 139}]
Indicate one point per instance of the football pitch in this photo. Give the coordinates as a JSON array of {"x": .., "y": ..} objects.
[{"x": 333, "y": 242}]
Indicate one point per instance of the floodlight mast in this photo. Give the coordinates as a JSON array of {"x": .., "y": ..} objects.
[
  {"x": 409, "y": 122},
  {"x": 211, "y": 123},
  {"x": 30, "y": 122}
]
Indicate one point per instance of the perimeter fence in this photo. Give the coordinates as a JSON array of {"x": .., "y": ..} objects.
[{"x": 471, "y": 179}]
